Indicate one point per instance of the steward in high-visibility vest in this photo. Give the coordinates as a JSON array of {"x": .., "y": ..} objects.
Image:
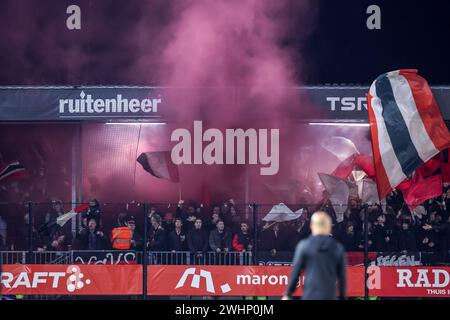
[{"x": 121, "y": 236}]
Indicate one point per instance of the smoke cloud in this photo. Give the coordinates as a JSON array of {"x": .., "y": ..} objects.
[{"x": 243, "y": 57}]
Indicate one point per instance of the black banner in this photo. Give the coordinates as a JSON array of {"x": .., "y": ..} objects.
[{"x": 109, "y": 103}]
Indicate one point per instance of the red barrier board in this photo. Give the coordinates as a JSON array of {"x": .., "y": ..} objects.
[
  {"x": 233, "y": 280},
  {"x": 432, "y": 282},
  {"x": 211, "y": 280},
  {"x": 54, "y": 279}
]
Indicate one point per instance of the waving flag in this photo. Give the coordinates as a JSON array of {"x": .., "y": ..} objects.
[
  {"x": 159, "y": 164},
  {"x": 282, "y": 213},
  {"x": 342, "y": 148},
  {"x": 61, "y": 220},
  {"x": 338, "y": 189},
  {"x": 11, "y": 171},
  {"x": 406, "y": 126}
]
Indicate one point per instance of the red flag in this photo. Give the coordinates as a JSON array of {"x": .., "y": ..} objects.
[
  {"x": 345, "y": 168},
  {"x": 431, "y": 166},
  {"x": 365, "y": 163},
  {"x": 445, "y": 172},
  {"x": 422, "y": 190}
]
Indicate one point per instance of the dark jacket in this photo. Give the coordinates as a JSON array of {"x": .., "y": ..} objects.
[
  {"x": 347, "y": 240},
  {"x": 138, "y": 241},
  {"x": 269, "y": 241},
  {"x": 157, "y": 239},
  {"x": 297, "y": 235},
  {"x": 197, "y": 240},
  {"x": 242, "y": 241},
  {"x": 385, "y": 239},
  {"x": 92, "y": 213},
  {"x": 323, "y": 260},
  {"x": 175, "y": 242},
  {"x": 220, "y": 240},
  {"x": 92, "y": 241},
  {"x": 407, "y": 240}
]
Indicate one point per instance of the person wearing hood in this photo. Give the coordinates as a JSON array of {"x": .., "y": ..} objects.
[{"x": 322, "y": 259}]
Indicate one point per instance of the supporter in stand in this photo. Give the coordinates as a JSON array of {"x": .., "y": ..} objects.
[
  {"x": 347, "y": 237},
  {"x": 136, "y": 239},
  {"x": 187, "y": 217},
  {"x": 301, "y": 231},
  {"x": 91, "y": 238},
  {"x": 273, "y": 239},
  {"x": 384, "y": 235},
  {"x": 235, "y": 220},
  {"x": 242, "y": 240},
  {"x": 58, "y": 242},
  {"x": 360, "y": 238},
  {"x": 215, "y": 217},
  {"x": 169, "y": 222},
  {"x": 197, "y": 239},
  {"x": 121, "y": 235},
  {"x": 406, "y": 238},
  {"x": 92, "y": 212},
  {"x": 157, "y": 237},
  {"x": 177, "y": 237},
  {"x": 220, "y": 239}
]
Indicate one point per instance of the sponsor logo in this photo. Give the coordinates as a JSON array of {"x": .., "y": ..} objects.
[
  {"x": 89, "y": 106},
  {"x": 75, "y": 279},
  {"x": 423, "y": 278},
  {"x": 347, "y": 103},
  {"x": 196, "y": 280}
]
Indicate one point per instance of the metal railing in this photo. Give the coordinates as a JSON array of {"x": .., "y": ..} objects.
[{"x": 207, "y": 258}]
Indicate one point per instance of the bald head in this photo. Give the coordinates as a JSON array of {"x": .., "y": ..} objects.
[{"x": 320, "y": 224}]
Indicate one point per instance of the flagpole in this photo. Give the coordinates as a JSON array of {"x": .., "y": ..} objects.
[{"x": 135, "y": 165}]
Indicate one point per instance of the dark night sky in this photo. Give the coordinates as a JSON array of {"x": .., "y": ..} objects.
[
  {"x": 414, "y": 34},
  {"x": 341, "y": 50}
]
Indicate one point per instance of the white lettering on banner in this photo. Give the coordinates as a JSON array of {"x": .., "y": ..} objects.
[
  {"x": 394, "y": 260},
  {"x": 374, "y": 277},
  {"x": 23, "y": 279},
  {"x": 423, "y": 280},
  {"x": 196, "y": 280},
  {"x": 347, "y": 103},
  {"x": 127, "y": 258},
  {"x": 31, "y": 280},
  {"x": 257, "y": 147},
  {"x": 245, "y": 279},
  {"x": 87, "y": 104}
]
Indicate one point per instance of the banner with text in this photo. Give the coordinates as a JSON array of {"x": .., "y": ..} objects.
[
  {"x": 233, "y": 280},
  {"x": 54, "y": 279}
]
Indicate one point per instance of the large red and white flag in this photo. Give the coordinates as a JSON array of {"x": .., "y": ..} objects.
[
  {"x": 159, "y": 164},
  {"x": 406, "y": 126},
  {"x": 61, "y": 220}
]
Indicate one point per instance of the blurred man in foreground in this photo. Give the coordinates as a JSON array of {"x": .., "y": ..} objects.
[{"x": 323, "y": 260}]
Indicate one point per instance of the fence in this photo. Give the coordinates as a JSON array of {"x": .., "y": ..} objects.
[{"x": 29, "y": 249}]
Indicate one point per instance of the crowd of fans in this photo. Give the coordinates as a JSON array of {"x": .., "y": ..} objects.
[{"x": 392, "y": 227}]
